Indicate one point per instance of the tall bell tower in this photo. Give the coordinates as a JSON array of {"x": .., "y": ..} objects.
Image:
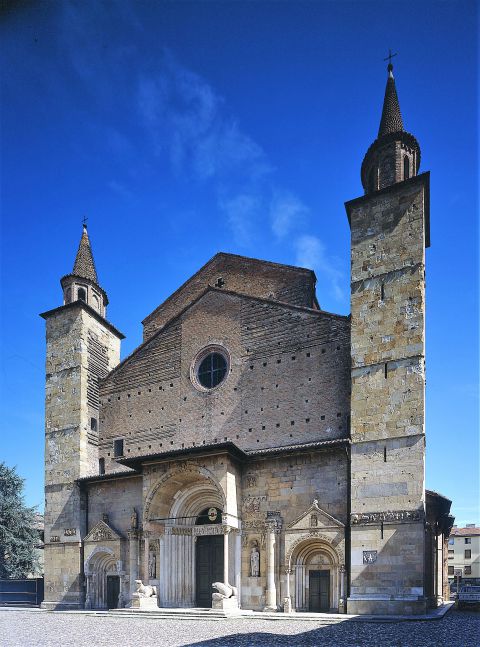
[
  {"x": 82, "y": 346},
  {"x": 389, "y": 234}
]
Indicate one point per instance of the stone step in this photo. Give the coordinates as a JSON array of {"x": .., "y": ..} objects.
[{"x": 215, "y": 615}]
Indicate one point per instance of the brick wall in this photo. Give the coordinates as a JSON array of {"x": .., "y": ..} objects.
[
  {"x": 288, "y": 381},
  {"x": 292, "y": 285}
]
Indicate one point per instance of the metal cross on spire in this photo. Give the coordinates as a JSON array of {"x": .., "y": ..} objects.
[
  {"x": 389, "y": 59},
  {"x": 84, "y": 221}
]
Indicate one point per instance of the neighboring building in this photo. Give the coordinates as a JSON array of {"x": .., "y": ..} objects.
[
  {"x": 253, "y": 438},
  {"x": 464, "y": 553}
]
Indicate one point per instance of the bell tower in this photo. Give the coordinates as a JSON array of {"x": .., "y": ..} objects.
[
  {"x": 82, "y": 346},
  {"x": 389, "y": 234}
]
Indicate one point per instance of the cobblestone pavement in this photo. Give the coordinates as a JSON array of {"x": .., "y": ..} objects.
[{"x": 46, "y": 629}]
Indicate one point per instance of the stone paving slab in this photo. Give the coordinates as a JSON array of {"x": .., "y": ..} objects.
[{"x": 38, "y": 628}]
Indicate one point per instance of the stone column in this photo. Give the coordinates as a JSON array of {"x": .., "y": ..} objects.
[
  {"x": 146, "y": 550},
  {"x": 271, "y": 597},
  {"x": 238, "y": 565},
  {"x": 226, "y": 530},
  {"x": 341, "y": 601},
  {"x": 88, "y": 601},
  {"x": 133, "y": 561},
  {"x": 287, "y": 603}
]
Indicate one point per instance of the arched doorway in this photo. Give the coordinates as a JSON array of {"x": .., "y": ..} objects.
[
  {"x": 208, "y": 557},
  {"x": 193, "y": 545},
  {"x": 316, "y": 583},
  {"x": 103, "y": 581}
]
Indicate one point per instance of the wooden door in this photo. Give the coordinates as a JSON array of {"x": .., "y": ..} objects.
[
  {"x": 113, "y": 591},
  {"x": 319, "y": 591},
  {"x": 208, "y": 567}
]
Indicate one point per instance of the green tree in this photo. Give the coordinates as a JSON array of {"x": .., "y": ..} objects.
[{"x": 18, "y": 535}]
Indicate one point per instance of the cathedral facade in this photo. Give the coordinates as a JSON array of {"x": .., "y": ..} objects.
[{"x": 253, "y": 439}]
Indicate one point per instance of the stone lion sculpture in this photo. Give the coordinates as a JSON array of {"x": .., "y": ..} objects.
[
  {"x": 144, "y": 591},
  {"x": 225, "y": 591}
]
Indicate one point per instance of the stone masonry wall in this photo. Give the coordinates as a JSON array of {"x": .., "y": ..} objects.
[
  {"x": 285, "y": 485},
  {"x": 388, "y": 386},
  {"x": 70, "y": 444}
]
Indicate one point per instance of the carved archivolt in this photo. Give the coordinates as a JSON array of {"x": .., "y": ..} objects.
[
  {"x": 324, "y": 543},
  {"x": 104, "y": 550},
  {"x": 177, "y": 469}
]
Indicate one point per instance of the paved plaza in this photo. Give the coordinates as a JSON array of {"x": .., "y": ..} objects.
[{"x": 30, "y": 628}]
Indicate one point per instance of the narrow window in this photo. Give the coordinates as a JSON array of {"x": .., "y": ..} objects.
[
  {"x": 93, "y": 424},
  {"x": 118, "y": 447},
  {"x": 381, "y": 530},
  {"x": 82, "y": 295},
  {"x": 68, "y": 295},
  {"x": 101, "y": 466},
  {"x": 386, "y": 371},
  {"x": 406, "y": 167},
  {"x": 468, "y": 554},
  {"x": 384, "y": 454},
  {"x": 382, "y": 289}
]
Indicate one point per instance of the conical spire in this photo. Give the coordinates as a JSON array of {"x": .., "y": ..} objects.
[
  {"x": 395, "y": 155},
  {"x": 84, "y": 265},
  {"x": 391, "y": 121}
]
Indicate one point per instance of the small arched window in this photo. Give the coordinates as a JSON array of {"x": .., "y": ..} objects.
[
  {"x": 82, "y": 294},
  {"x": 406, "y": 167}
]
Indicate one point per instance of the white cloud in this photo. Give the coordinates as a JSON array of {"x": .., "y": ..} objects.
[
  {"x": 311, "y": 253},
  {"x": 241, "y": 211},
  {"x": 184, "y": 114},
  {"x": 287, "y": 212}
]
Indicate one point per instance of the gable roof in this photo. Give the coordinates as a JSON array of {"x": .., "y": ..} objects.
[
  {"x": 225, "y": 256},
  {"x": 207, "y": 290}
]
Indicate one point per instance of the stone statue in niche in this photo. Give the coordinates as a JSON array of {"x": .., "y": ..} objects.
[
  {"x": 254, "y": 562},
  {"x": 105, "y": 518},
  {"x": 152, "y": 566},
  {"x": 313, "y": 521},
  {"x": 134, "y": 520}
]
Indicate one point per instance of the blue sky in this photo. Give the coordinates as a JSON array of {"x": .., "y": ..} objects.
[{"x": 181, "y": 129}]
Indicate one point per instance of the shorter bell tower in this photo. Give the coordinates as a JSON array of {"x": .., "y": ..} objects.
[{"x": 82, "y": 346}]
